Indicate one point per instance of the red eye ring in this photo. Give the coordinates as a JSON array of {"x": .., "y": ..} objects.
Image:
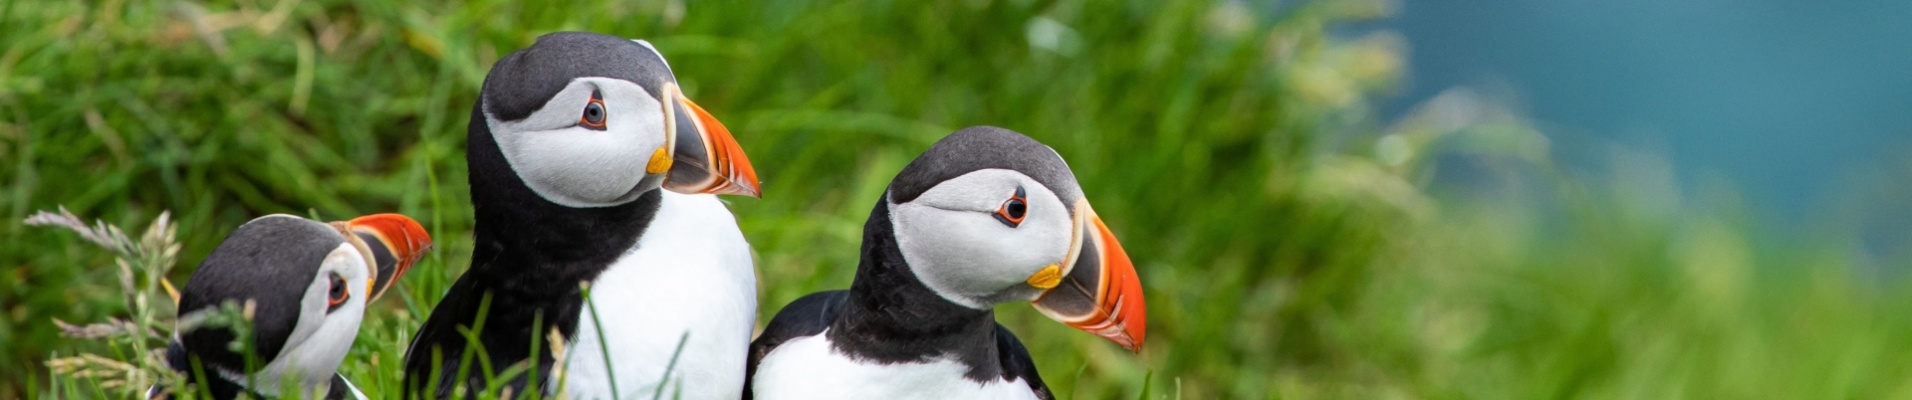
[
  {"x": 1013, "y": 211},
  {"x": 338, "y": 293},
  {"x": 594, "y": 113}
]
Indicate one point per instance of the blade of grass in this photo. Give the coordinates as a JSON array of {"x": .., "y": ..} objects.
[
  {"x": 662, "y": 380},
  {"x": 604, "y": 344}
]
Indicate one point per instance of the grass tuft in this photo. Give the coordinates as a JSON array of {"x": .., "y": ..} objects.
[{"x": 137, "y": 344}]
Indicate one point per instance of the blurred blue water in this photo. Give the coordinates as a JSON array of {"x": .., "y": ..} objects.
[{"x": 1783, "y": 99}]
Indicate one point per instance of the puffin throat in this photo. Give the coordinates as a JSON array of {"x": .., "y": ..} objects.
[
  {"x": 892, "y": 317},
  {"x": 530, "y": 246}
]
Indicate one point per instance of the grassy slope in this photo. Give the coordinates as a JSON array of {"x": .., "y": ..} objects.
[{"x": 1210, "y": 137}]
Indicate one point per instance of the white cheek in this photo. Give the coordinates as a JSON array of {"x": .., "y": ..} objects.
[
  {"x": 576, "y": 167},
  {"x": 979, "y": 191},
  {"x": 320, "y": 340},
  {"x": 579, "y": 167},
  {"x": 956, "y": 246},
  {"x": 970, "y": 257},
  {"x": 1047, "y": 225},
  {"x": 315, "y": 302}
]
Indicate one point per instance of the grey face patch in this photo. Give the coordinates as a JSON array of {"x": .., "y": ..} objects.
[
  {"x": 320, "y": 339},
  {"x": 579, "y": 167},
  {"x": 524, "y": 80},
  {"x": 955, "y": 245}
]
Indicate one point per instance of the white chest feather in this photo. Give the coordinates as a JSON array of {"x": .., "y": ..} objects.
[
  {"x": 690, "y": 273},
  {"x": 808, "y": 368}
]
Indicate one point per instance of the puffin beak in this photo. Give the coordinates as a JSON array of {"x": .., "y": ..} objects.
[
  {"x": 394, "y": 241},
  {"x": 703, "y": 158},
  {"x": 1098, "y": 292}
]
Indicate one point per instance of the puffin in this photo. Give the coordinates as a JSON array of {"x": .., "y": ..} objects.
[
  {"x": 592, "y": 173},
  {"x": 983, "y": 217},
  {"x": 305, "y": 285}
]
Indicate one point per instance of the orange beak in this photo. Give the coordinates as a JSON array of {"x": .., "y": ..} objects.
[
  {"x": 704, "y": 157},
  {"x": 394, "y": 242},
  {"x": 1100, "y": 293}
]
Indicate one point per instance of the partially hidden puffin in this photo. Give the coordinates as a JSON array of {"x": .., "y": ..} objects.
[
  {"x": 569, "y": 144},
  {"x": 305, "y": 285},
  {"x": 985, "y": 216}
]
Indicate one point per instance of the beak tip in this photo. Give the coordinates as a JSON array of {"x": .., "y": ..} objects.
[
  {"x": 1134, "y": 339},
  {"x": 726, "y": 170},
  {"x": 750, "y": 189},
  {"x": 1129, "y": 330}
]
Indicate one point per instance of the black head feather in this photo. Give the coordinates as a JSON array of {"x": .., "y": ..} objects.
[
  {"x": 269, "y": 261},
  {"x": 523, "y": 81},
  {"x": 985, "y": 147}
]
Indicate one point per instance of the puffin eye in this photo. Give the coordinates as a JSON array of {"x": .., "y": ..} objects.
[
  {"x": 1013, "y": 210},
  {"x": 338, "y": 294},
  {"x": 594, "y": 113}
]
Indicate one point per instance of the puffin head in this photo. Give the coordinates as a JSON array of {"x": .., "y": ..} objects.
[
  {"x": 989, "y": 216},
  {"x": 589, "y": 120},
  {"x": 307, "y": 284}
]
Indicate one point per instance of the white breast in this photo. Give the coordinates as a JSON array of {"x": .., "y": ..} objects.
[
  {"x": 808, "y": 368},
  {"x": 690, "y": 272}
]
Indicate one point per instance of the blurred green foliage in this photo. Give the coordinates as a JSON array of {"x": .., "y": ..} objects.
[{"x": 1286, "y": 237}]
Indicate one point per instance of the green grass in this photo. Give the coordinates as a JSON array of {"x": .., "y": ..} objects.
[{"x": 1289, "y": 240}]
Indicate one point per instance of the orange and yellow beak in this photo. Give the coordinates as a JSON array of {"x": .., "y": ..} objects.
[
  {"x": 703, "y": 157},
  {"x": 1099, "y": 291},
  {"x": 394, "y": 242}
]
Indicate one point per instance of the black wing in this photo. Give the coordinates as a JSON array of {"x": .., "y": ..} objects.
[
  {"x": 425, "y": 378},
  {"x": 807, "y": 316},
  {"x": 506, "y": 338},
  {"x": 343, "y": 390},
  {"x": 1016, "y": 363}
]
